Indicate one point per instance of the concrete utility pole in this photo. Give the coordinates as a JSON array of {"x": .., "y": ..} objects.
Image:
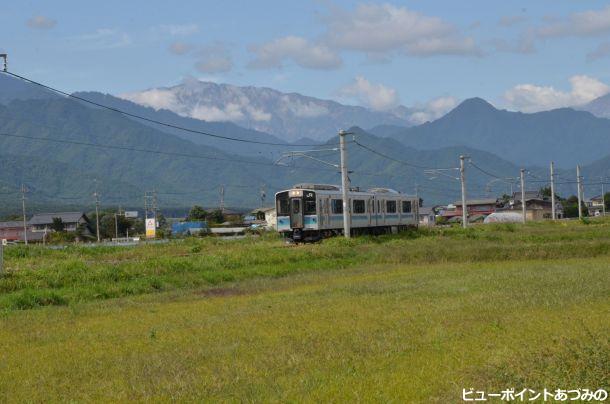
[
  {"x": 97, "y": 212},
  {"x": 416, "y": 211},
  {"x": 263, "y": 196},
  {"x": 222, "y": 199},
  {"x": 463, "y": 181},
  {"x": 579, "y": 183},
  {"x": 603, "y": 198},
  {"x": 523, "y": 203},
  {"x": 345, "y": 185},
  {"x": 25, "y": 226},
  {"x": 116, "y": 223},
  {"x": 553, "y": 210}
]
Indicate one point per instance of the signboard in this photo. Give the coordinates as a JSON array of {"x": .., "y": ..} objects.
[
  {"x": 151, "y": 228},
  {"x": 131, "y": 213}
]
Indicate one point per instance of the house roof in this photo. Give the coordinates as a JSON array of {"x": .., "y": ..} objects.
[
  {"x": 47, "y": 218},
  {"x": 11, "y": 224},
  {"x": 426, "y": 211},
  {"x": 488, "y": 201},
  {"x": 528, "y": 195}
]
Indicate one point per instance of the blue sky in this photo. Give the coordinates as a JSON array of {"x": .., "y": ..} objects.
[{"x": 521, "y": 55}]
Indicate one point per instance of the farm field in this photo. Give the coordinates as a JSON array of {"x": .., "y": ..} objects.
[{"x": 415, "y": 317}]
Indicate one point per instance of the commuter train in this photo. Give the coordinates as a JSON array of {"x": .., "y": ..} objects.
[{"x": 309, "y": 212}]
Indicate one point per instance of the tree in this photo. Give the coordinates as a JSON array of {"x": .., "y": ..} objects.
[
  {"x": 216, "y": 216},
  {"x": 57, "y": 225},
  {"x": 197, "y": 213},
  {"x": 570, "y": 207},
  {"x": 545, "y": 192},
  {"x": 607, "y": 200}
]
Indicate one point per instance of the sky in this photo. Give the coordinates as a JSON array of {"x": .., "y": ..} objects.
[{"x": 519, "y": 55}]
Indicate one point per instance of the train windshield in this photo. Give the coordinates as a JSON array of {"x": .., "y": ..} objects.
[
  {"x": 309, "y": 202},
  {"x": 283, "y": 204}
]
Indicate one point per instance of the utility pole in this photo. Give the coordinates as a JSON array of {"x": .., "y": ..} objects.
[
  {"x": 97, "y": 212},
  {"x": 579, "y": 183},
  {"x": 222, "y": 198},
  {"x": 523, "y": 203},
  {"x": 116, "y": 223},
  {"x": 345, "y": 185},
  {"x": 603, "y": 198},
  {"x": 553, "y": 211},
  {"x": 463, "y": 182},
  {"x": 417, "y": 204},
  {"x": 263, "y": 196},
  {"x": 25, "y": 226}
]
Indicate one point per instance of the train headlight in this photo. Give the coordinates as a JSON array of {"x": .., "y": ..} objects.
[{"x": 296, "y": 193}]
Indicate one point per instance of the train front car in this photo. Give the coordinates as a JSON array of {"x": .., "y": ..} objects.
[{"x": 297, "y": 214}]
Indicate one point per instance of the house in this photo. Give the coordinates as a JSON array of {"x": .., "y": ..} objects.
[
  {"x": 42, "y": 222},
  {"x": 268, "y": 215},
  {"x": 595, "y": 205},
  {"x": 537, "y": 206},
  {"x": 475, "y": 207},
  {"x": 427, "y": 217},
  {"x": 13, "y": 231}
]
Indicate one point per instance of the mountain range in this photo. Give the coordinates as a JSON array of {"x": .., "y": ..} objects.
[
  {"x": 289, "y": 116},
  {"x": 564, "y": 135},
  {"x": 187, "y": 168}
]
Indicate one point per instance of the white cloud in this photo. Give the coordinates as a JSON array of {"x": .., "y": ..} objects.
[
  {"x": 154, "y": 98},
  {"x": 41, "y": 22},
  {"x": 525, "y": 44},
  {"x": 584, "y": 23},
  {"x": 602, "y": 51},
  {"x": 382, "y": 28},
  {"x": 533, "y": 98},
  {"x": 179, "y": 29},
  {"x": 433, "y": 109},
  {"x": 511, "y": 20},
  {"x": 299, "y": 50},
  {"x": 179, "y": 48},
  {"x": 214, "y": 59},
  {"x": 230, "y": 112},
  {"x": 303, "y": 109},
  {"x": 374, "y": 96},
  {"x": 104, "y": 38}
]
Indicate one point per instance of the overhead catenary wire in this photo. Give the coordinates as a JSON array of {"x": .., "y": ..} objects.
[
  {"x": 406, "y": 163},
  {"x": 155, "y": 121}
]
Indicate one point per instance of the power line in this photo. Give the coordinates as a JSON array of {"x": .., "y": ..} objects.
[
  {"x": 487, "y": 172},
  {"x": 157, "y": 122},
  {"x": 393, "y": 159},
  {"x": 134, "y": 149}
]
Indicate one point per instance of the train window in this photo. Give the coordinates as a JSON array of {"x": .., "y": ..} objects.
[
  {"x": 390, "y": 206},
  {"x": 359, "y": 206},
  {"x": 309, "y": 207},
  {"x": 406, "y": 206},
  {"x": 283, "y": 205},
  {"x": 337, "y": 205}
]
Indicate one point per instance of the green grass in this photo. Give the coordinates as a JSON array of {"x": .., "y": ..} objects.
[
  {"x": 37, "y": 276},
  {"x": 409, "y": 318}
]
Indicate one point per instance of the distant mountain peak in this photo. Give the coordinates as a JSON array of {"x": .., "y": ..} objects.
[
  {"x": 289, "y": 116},
  {"x": 474, "y": 105}
]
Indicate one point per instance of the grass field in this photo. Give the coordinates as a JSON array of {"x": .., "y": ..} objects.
[{"x": 408, "y": 318}]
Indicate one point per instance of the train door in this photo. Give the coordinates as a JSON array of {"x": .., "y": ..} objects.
[
  {"x": 296, "y": 213},
  {"x": 369, "y": 210},
  {"x": 327, "y": 211}
]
